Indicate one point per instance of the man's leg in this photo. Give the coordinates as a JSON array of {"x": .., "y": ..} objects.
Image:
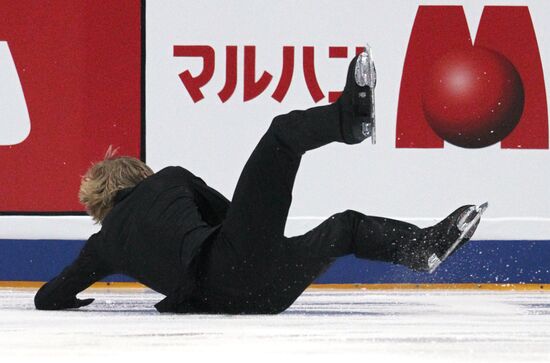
[
  {"x": 288, "y": 268},
  {"x": 367, "y": 237},
  {"x": 238, "y": 268},
  {"x": 262, "y": 198},
  {"x": 349, "y": 232},
  {"x": 250, "y": 248}
]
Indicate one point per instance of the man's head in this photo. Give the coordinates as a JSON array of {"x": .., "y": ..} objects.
[{"x": 104, "y": 179}]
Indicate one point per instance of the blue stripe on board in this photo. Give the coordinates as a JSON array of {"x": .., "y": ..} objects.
[{"x": 477, "y": 262}]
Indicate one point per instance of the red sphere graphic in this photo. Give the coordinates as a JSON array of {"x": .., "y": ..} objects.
[{"x": 473, "y": 97}]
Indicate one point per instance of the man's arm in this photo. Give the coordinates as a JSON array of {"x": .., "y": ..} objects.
[
  {"x": 213, "y": 204},
  {"x": 60, "y": 293}
]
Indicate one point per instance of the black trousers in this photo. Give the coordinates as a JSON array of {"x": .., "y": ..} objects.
[{"x": 251, "y": 267}]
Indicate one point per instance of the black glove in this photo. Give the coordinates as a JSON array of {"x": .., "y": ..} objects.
[
  {"x": 77, "y": 303},
  {"x": 73, "y": 304}
]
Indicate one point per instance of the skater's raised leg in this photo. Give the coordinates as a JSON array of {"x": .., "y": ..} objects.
[
  {"x": 240, "y": 261},
  {"x": 252, "y": 268},
  {"x": 263, "y": 194}
]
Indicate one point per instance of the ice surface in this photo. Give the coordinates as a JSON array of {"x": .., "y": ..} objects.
[{"x": 388, "y": 326}]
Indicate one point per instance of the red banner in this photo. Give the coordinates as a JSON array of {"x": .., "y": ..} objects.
[{"x": 79, "y": 64}]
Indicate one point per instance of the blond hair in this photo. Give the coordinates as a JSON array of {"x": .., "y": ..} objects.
[{"x": 105, "y": 178}]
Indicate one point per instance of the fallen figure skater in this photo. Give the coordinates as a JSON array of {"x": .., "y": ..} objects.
[{"x": 174, "y": 234}]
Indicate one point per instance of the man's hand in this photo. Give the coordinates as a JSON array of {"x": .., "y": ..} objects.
[
  {"x": 68, "y": 304},
  {"x": 80, "y": 303}
]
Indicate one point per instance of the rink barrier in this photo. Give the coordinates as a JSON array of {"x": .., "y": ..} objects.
[
  {"x": 465, "y": 286},
  {"x": 505, "y": 264},
  {"x": 371, "y": 287}
]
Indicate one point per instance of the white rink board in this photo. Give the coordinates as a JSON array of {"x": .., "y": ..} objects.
[
  {"x": 79, "y": 227},
  {"x": 213, "y": 139}
]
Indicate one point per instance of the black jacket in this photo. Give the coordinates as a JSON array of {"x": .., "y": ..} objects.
[{"x": 152, "y": 234}]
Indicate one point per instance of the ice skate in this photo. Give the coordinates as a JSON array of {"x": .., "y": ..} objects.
[
  {"x": 357, "y": 100},
  {"x": 437, "y": 243}
]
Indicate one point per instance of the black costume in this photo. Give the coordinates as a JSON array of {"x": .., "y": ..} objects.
[{"x": 183, "y": 239}]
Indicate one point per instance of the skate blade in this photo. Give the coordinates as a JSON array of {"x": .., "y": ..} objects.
[
  {"x": 365, "y": 72},
  {"x": 468, "y": 222},
  {"x": 365, "y": 75}
]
